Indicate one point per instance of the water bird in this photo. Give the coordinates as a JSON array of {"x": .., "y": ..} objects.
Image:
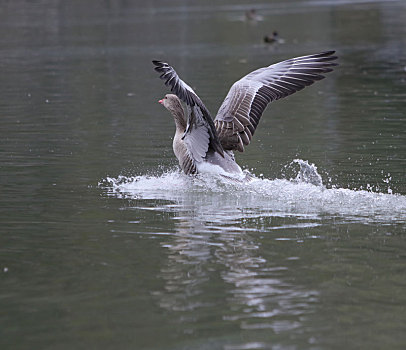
[
  {"x": 273, "y": 39},
  {"x": 251, "y": 15},
  {"x": 202, "y": 144}
]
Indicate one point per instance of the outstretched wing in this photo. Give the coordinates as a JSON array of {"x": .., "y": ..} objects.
[
  {"x": 187, "y": 95},
  {"x": 240, "y": 112}
]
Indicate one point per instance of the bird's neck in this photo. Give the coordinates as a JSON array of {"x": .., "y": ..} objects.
[{"x": 180, "y": 120}]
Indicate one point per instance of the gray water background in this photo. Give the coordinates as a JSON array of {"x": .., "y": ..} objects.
[{"x": 105, "y": 245}]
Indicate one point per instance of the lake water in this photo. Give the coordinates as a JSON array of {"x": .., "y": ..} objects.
[{"x": 104, "y": 244}]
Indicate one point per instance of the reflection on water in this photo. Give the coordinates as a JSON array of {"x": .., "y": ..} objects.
[
  {"x": 207, "y": 239},
  {"x": 257, "y": 298}
]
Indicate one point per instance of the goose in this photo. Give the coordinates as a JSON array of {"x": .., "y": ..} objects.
[
  {"x": 202, "y": 144},
  {"x": 274, "y": 38},
  {"x": 251, "y": 15}
]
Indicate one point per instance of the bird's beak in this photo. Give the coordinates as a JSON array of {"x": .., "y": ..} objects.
[{"x": 161, "y": 101}]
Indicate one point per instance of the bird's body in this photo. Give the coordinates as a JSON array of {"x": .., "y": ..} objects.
[
  {"x": 252, "y": 16},
  {"x": 273, "y": 39},
  {"x": 204, "y": 145},
  {"x": 212, "y": 161}
]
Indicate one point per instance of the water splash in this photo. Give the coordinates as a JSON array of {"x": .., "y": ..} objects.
[
  {"x": 308, "y": 173},
  {"x": 213, "y": 195}
]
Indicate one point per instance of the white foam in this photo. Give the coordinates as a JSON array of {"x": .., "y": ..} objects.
[{"x": 214, "y": 194}]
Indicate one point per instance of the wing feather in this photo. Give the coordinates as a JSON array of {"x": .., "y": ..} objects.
[
  {"x": 248, "y": 97},
  {"x": 197, "y": 138}
]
